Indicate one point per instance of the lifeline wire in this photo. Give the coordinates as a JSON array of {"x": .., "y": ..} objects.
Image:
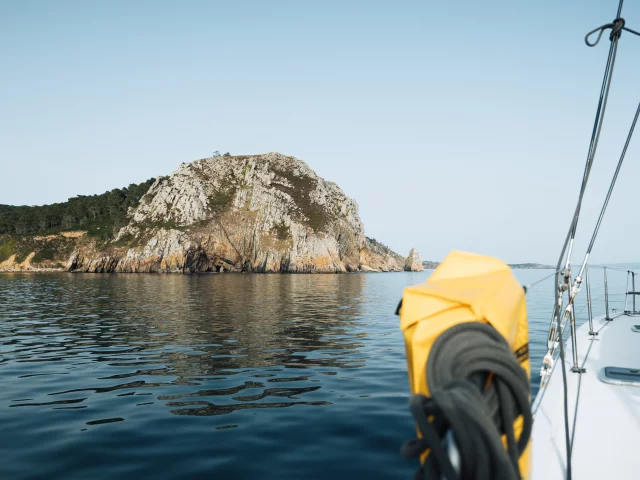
[
  {"x": 531, "y": 285},
  {"x": 616, "y": 28}
]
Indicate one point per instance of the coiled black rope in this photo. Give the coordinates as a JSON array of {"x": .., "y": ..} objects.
[{"x": 478, "y": 389}]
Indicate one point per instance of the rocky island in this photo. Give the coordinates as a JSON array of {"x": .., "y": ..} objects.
[{"x": 257, "y": 213}]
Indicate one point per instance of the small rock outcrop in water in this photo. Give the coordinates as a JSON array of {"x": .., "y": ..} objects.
[
  {"x": 262, "y": 213},
  {"x": 413, "y": 263}
]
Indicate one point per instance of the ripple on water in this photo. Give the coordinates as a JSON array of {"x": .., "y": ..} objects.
[{"x": 232, "y": 375}]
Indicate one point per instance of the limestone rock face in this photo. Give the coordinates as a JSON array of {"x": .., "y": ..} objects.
[
  {"x": 262, "y": 213},
  {"x": 377, "y": 257},
  {"x": 413, "y": 262}
]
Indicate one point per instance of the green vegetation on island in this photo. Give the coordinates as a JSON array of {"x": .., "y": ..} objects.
[
  {"x": 259, "y": 213},
  {"x": 99, "y": 215}
]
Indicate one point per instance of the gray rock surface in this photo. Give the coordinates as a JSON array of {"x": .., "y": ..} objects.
[{"x": 261, "y": 213}]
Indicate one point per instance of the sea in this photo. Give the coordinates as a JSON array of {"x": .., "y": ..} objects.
[{"x": 218, "y": 376}]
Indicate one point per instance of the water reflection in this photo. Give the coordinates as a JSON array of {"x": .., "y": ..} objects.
[
  {"x": 114, "y": 350},
  {"x": 188, "y": 331}
]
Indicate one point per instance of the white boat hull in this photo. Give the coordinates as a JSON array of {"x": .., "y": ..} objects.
[{"x": 604, "y": 418}]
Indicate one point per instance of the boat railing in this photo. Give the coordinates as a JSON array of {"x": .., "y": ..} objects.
[{"x": 569, "y": 317}]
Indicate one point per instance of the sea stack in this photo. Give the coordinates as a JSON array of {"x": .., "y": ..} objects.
[{"x": 413, "y": 263}]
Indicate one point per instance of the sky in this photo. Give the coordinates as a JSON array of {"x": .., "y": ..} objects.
[{"x": 455, "y": 125}]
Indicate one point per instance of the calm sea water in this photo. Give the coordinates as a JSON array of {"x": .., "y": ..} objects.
[{"x": 215, "y": 376}]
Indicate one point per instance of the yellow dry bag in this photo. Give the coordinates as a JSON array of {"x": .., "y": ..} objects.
[{"x": 470, "y": 320}]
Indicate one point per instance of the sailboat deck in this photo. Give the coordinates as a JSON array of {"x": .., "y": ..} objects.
[{"x": 604, "y": 418}]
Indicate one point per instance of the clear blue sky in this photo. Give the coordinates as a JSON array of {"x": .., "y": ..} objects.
[{"x": 453, "y": 124}]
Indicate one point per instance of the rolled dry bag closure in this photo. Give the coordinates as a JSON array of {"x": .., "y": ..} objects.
[{"x": 466, "y": 338}]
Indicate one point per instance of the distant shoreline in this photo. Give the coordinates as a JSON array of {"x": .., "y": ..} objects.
[{"x": 530, "y": 266}]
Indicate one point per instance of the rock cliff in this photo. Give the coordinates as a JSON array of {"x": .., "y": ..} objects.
[
  {"x": 262, "y": 213},
  {"x": 380, "y": 258},
  {"x": 413, "y": 262}
]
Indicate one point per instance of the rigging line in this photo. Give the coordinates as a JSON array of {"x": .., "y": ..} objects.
[
  {"x": 476, "y": 412},
  {"x": 631, "y": 31},
  {"x": 585, "y": 306},
  {"x": 607, "y": 323},
  {"x": 585, "y": 176},
  {"x": 595, "y": 139},
  {"x": 616, "y": 29},
  {"x": 531, "y": 285},
  {"x": 594, "y": 299},
  {"x": 615, "y": 269},
  {"x": 577, "y": 403},
  {"x": 566, "y": 407},
  {"x": 595, "y": 135},
  {"x": 613, "y": 181},
  {"x": 575, "y": 413},
  {"x": 608, "y": 268},
  {"x": 607, "y": 198},
  {"x": 559, "y": 293}
]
